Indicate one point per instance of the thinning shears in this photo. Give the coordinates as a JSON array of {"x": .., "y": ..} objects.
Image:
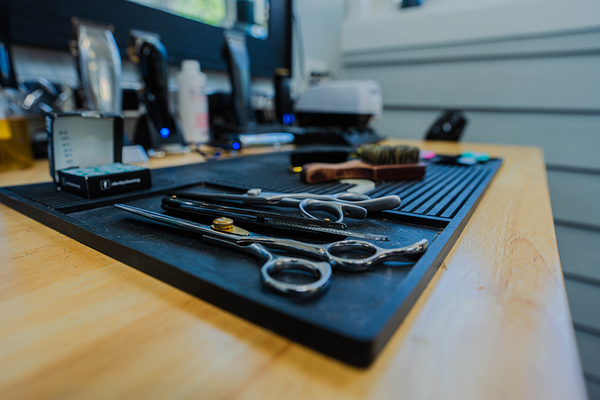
[
  {"x": 329, "y": 254},
  {"x": 340, "y": 205}
]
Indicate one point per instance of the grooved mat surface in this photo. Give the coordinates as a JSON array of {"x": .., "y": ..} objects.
[{"x": 441, "y": 193}]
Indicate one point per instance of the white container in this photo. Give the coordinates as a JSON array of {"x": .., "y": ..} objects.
[{"x": 193, "y": 105}]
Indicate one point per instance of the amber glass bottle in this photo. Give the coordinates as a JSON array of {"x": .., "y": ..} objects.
[{"x": 15, "y": 145}]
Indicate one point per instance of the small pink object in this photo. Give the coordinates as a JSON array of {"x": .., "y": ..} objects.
[{"x": 427, "y": 154}]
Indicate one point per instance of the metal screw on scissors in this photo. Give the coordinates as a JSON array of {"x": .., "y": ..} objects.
[
  {"x": 258, "y": 245},
  {"x": 340, "y": 205}
]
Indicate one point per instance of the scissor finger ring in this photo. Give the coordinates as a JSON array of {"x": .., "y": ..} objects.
[
  {"x": 320, "y": 270},
  {"x": 338, "y": 210}
]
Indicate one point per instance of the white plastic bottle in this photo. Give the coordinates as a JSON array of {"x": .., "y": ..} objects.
[{"x": 193, "y": 105}]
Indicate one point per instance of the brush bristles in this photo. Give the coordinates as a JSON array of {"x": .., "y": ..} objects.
[{"x": 387, "y": 155}]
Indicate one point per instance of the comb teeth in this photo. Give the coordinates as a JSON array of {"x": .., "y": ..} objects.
[
  {"x": 389, "y": 155},
  {"x": 339, "y": 232}
]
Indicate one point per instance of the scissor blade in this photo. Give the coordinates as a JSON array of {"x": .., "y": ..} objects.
[
  {"x": 245, "y": 214},
  {"x": 167, "y": 219},
  {"x": 224, "y": 197}
]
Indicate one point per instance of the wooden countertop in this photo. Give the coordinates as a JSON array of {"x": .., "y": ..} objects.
[{"x": 493, "y": 323}]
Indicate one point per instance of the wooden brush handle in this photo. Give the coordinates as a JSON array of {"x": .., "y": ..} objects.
[{"x": 357, "y": 169}]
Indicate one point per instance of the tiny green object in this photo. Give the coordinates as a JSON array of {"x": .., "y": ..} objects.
[{"x": 479, "y": 156}]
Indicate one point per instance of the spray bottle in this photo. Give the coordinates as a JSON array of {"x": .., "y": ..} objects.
[{"x": 193, "y": 105}]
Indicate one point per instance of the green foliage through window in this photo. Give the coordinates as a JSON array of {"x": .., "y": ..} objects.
[{"x": 211, "y": 12}]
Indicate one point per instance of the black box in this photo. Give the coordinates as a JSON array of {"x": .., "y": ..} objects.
[
  {"x": 79, "y": 139},
  {"x": 104, "y": 180}
]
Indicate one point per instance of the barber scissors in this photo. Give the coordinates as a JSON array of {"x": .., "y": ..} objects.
[
  {"x": 224, "y": 233},
  {"x": 340, "y": 205}
]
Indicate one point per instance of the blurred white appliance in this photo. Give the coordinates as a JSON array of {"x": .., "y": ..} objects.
[{"x": 343, "y": 103}]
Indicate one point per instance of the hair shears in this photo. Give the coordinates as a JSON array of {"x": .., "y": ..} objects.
[
  {"x": 340, "y": 205},
  {"x": 329, "y": 254}
]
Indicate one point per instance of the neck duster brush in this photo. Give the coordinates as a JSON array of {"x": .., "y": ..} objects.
[{"x": 376, "y": 163}]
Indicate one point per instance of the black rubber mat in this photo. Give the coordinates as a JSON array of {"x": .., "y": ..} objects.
[{"x": 357, "y": 315}]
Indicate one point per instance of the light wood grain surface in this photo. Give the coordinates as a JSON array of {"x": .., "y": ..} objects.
[{"x": 493, "y": 323}]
